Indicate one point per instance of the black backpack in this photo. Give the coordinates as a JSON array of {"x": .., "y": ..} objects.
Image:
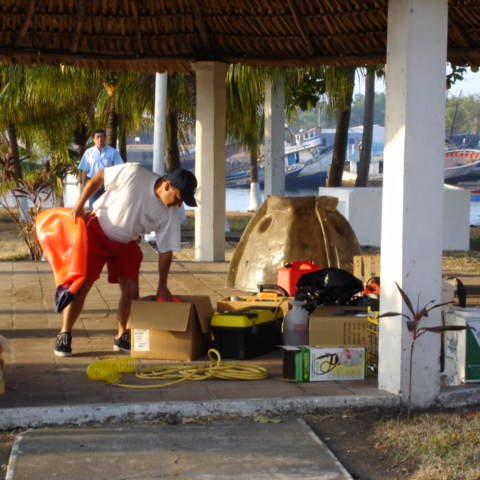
[{"x": 329, "y": 286}]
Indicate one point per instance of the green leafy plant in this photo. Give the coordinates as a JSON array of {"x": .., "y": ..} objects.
[
  {"x": 24, "y": 198},
  {"x": 413, "y": 322}
]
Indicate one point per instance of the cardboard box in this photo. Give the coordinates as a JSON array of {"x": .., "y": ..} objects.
[
  {"x": 316, "y": 364},
  {"x": 337, "y": 325},
  {"x": 230, "y": 304},
  {"x": 171, "y": 330},
  {"x": 366, "y": 267}
]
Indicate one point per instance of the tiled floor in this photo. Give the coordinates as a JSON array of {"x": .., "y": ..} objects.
[{"x": 35, "y": 377}]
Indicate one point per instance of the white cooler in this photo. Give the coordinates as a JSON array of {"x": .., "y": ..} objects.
[{"x": 462, "y": 348}]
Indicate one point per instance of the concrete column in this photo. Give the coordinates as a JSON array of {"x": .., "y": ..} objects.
[
  {"x": 210, "y": 161},
  {"x": 159, "y": 123},
  {"x": 274, "y": 138},
  {"x": 411, "y": 245}
]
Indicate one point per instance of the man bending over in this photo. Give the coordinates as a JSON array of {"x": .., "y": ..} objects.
[{"x": 136, "y": 201}]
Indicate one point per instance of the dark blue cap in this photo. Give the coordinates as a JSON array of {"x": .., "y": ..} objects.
[{"x": 186, "y": 182}]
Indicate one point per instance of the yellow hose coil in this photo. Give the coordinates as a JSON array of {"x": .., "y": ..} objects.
[{"x": 110, "y": 370}]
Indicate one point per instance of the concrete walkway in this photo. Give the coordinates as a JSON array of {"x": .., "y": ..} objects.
[
  {"x": 42, "y": 389},
  {"x": 283, "y": 449}
]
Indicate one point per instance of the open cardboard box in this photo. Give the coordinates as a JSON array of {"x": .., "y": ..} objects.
[
  {"x": 339, "y": 325},
  {"x": 171, "y": 330}
]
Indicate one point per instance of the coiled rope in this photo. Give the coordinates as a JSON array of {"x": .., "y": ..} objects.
[{"x": 110, "y": 371}]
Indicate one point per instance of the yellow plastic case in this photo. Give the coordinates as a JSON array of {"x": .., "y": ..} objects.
[
  {"x": 246, "y": 317},
  {"x": 246, "y": 333}
]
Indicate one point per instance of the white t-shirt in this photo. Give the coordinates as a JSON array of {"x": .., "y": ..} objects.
[{"x": 129, "y": 208}]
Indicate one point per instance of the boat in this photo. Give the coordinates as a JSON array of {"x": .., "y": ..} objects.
[
  {"x": 462, "y": 167},
  {"x": 308, "y": 160},
  {"x": 307, "y": 157},
  {"x": 310, "y": 173}
]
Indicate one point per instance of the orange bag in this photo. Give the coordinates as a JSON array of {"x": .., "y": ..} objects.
[{"x": 64, "y": 243}]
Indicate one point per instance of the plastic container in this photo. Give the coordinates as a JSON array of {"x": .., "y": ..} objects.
[
  {"x": 288, "y": 275},
  {"x": 462, "y": 347},
  {"x": 64, "y": 242},
  {"x": 295, "y": 325}
]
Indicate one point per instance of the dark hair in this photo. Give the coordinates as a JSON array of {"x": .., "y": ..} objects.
[{"x": 99, "y": 130}]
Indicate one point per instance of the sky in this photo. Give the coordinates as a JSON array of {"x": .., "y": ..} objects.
[{"x": 469, "y": 86}]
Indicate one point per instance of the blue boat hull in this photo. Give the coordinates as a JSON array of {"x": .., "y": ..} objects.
[{"x": 292, "y": 180}]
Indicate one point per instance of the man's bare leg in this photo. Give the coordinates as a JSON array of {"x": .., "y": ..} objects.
[
  {"x": 72, "y": 311},
  {"x": 128, "y": 291}
]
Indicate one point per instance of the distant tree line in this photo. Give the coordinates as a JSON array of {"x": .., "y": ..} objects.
[
  {"x": 322, "y": 117},
  {"x": 462, "y": 115}
]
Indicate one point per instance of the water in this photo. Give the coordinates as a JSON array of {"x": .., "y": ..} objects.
[
  {"x": 237, "y": 200},
  {"x": 475, "y": 212}
]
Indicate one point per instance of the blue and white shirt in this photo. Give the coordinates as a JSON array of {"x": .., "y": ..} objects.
[{"x": 94, "y": 160}]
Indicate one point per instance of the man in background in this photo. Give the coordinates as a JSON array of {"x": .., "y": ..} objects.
[{"x": 95, "y": 159}]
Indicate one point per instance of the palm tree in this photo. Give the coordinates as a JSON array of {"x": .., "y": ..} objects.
[
  {"x": 127, "y": 102},
  {"x": 245, "y": 98},
  {"x": 39, "y": 105},
  {"x": 372, "y": 71},
  {"x": 342, "y": 99},
  {"x": 180, "y": 116},
  {"x": 124, "y": 105},
  {"x": 368, "y": 110},
  {"x": 110, "y": 83},
  {"x": 12, "y": 106},
  {"x": 245, "y": 115}
]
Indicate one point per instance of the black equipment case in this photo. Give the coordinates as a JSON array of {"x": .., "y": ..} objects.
[{"x": 248, "y": 332}]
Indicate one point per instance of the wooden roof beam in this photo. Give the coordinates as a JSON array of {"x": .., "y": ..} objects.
[
  {"x": 200, "y": 23},
  {"x": 78, "y": 26},
  {"x": 36, "y": 56},
  {"x": 136, "y": 23},
  {"x": 460, "y": 33},
  {"x": 26, "y": 24},
  {"x": 300, "y": 27}
]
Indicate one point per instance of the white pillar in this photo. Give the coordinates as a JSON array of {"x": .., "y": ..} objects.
[
  {"x": 274, "y": 138},
  {"x": 159, "y": 123},
  {"x": 411, "y": 245},
  {"x": 210, "y": 160}
]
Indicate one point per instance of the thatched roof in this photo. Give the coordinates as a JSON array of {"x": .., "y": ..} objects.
[{"x": 158, "y": 35}]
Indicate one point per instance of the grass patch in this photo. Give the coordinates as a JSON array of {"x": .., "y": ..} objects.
[
  {"x": 439, "y": 446},
  {"x": 475, "y": 238},
  {"x": 12, "y": 247},
  {"x": 237, "y": 221}
]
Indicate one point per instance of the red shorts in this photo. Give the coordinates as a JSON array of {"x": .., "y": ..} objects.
[{"x": 123, "y": 259}]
